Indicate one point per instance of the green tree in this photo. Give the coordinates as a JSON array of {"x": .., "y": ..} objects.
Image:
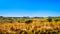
[{"x": 49, "y": 19}]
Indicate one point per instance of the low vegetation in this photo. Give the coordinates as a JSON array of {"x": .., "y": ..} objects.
[{"x": 24, "y": 25}]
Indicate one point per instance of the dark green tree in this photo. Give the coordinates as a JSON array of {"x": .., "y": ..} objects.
[{"x": 49, "y": 19}]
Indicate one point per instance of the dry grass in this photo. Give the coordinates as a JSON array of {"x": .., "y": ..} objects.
[
  {"x": 38, "y": 26},
  {"x": 14, "y": 27}
]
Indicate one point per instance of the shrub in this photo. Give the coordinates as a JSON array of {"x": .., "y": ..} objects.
[
  {"x": 56, "y": 20},
  {"x": 49, "y": 19},
  {"x": 28, "y": 21},
  {"x": 18, "y": 21}
]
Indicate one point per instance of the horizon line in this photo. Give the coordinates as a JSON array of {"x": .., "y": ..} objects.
[{"x": 29, "y": 16}]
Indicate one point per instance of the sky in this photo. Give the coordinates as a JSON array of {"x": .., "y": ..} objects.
[{"x": 31, "y": 8}]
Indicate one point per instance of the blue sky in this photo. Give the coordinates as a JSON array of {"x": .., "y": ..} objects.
[{"x": 19, "y": 8}]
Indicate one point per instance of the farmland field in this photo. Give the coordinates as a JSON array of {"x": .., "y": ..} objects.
[{"x": 29, "y": 25}]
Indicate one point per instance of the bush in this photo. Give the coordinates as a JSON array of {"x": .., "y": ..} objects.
[
  {"x": 49, "y": 19},
  {"x": 18, "y": 21},
  {"x": 28, "y": 21},
  {"x": 57, "y": 20}
]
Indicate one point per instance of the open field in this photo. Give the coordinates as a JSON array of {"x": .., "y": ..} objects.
[{"x": 16, "y": 25}]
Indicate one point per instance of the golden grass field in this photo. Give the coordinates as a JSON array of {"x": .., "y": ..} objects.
[{"x": 37, "y": 26}]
